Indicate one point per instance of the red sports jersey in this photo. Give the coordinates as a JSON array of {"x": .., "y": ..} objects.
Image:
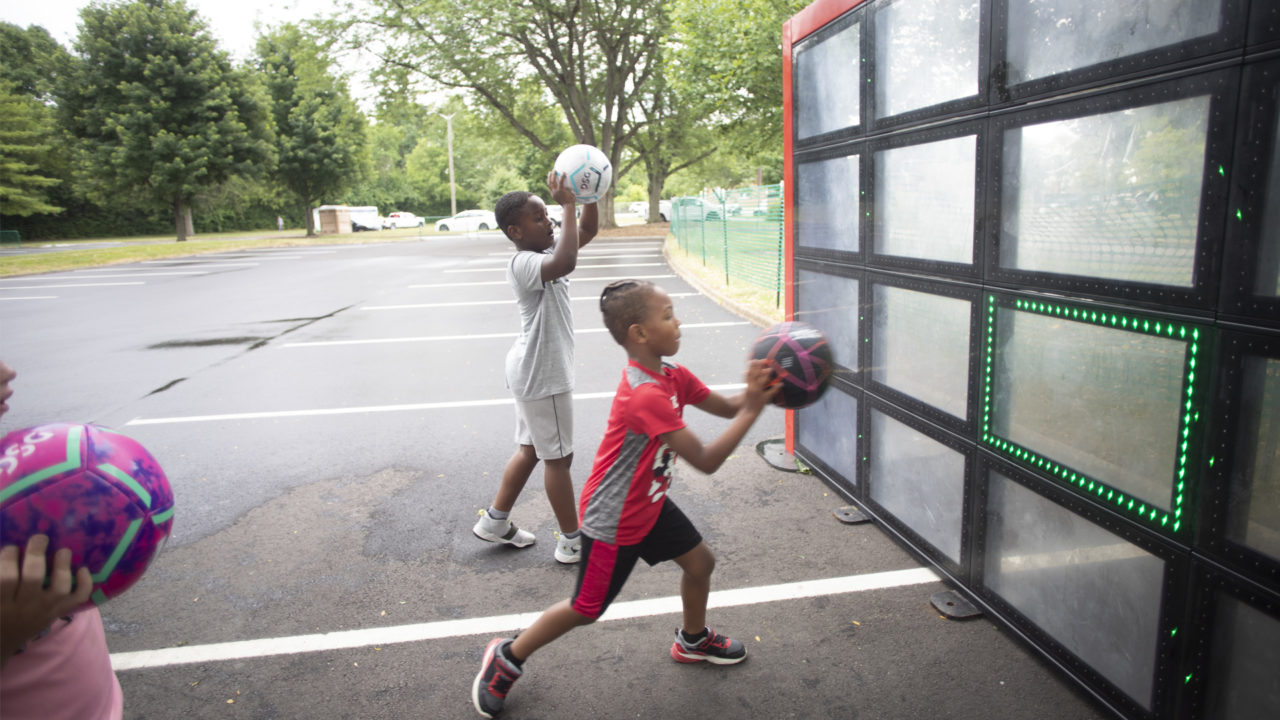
[{"x": 632, "y": 470}]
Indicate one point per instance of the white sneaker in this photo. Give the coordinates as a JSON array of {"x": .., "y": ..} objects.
[
  {"x": 502, "y": 531},
  {"x": 569, "y": 551}
]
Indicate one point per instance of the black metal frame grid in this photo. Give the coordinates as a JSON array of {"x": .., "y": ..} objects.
[
  {"x": 1224, "y": 43},
  {"x": 849, "y": 488},
  {"x": 965, "y": 426},
  {"x": 1218, "y": 488},
  {"x": 1238, "y": 67},
  {"x": 1202, "y": 295},
  {"x": 961, "y": 570},
  {"x": 855, "y": 373},
  {"x": 1175, "y": 521},
  {"x": 871, "y": 150},
  {"x": 1166, "y": 696},
  {"x": 857, "y": 213},
  {"x": 855, "y": 16},
  {"x": 1255, "y": 145},
  {"x": 1210, "y": 583},
  {"x": 956, "y": 106},
  {"x": 1264, "y": 24}
]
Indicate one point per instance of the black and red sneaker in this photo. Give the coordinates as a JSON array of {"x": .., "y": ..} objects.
[
  {"x": 714, "y": 648},
  {"x": 497, "y": 675}
]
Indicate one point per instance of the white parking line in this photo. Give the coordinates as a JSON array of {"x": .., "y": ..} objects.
[
  {"x": 414, "y": 306},
  {"x": 201, "y": 263},
  {"x": 32, "y": 297},
  {"x": 55, "y": 287},
  {"x": 583, "y": 254},
  {"x": 576, "y": 279},
  {"x": 120, "y": 275},
  {"x": 478, "y": 336},
  {"x": 375, "y": 409},
  {"x": 503, "y": 624},
  {"x": 580, "y": 267}
]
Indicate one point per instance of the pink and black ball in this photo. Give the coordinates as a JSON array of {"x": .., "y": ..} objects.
[
  {"x": 800, "y": 357},
  {"x": 89, "y": 489}
]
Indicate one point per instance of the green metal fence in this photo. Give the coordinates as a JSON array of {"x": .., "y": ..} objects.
[{"x": 738, "y": 232}]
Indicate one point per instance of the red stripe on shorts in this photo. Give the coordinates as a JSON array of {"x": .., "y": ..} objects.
[{"x": 601, "y": 563}]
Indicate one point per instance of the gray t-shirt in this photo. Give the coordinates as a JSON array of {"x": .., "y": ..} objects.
[{"x": 540, "y": 362}]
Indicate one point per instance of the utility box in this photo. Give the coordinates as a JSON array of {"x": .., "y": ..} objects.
[{"x": 334, "y": 219}]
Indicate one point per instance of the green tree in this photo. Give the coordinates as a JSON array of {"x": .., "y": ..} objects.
[
  {"x": 157, "y": 108},
  {"x": 320, "y": 133},
  {"x": 728, "y": 53},
  {"x": 24, "y": 133},
  {"x": 590, "y": 58},
  {"x": 31, "y": 59}
]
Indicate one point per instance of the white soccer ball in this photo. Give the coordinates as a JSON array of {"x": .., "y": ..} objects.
[{"x": 589, "y": 172}]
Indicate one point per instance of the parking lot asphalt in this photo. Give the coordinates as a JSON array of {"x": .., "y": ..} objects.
[{"x": 333, "y": 419}]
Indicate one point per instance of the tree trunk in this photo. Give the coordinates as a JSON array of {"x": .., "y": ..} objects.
[
  {"x": 179, "y": 219},
  {"x": 655, "y": 196},
  {"x": 311, "y": 219},
  {"x": 186, "y": 215},
  {"x": 606, "y": 211}
]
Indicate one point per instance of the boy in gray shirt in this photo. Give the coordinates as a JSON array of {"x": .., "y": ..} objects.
[{"x": 539, "y": 366}]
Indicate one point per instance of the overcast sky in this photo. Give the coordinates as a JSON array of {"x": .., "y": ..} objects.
[{"x": 230, "y": 21}]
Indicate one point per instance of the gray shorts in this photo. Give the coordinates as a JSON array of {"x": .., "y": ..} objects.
[{"x": 547, "y": 425}]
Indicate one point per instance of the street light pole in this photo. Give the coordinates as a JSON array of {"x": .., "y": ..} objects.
[{"x": 453, "y": 194}]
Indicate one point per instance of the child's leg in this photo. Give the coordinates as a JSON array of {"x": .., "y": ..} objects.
[
  {"x": 560, "y": 493},
  {"x": 554, "y": 622},
  {"x": 514, "y": 477},
  {"x": 695, "y": 586}
]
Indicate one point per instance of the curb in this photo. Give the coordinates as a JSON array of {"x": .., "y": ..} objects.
[{"x": 713, "y": 291}]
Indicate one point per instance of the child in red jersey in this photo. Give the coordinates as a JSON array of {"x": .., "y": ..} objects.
[{"x": 625, "y": 512}]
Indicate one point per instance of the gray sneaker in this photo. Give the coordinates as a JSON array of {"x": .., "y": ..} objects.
[
  {"x": 502, "y": 531},
  {"x": 497, "y": 675}
]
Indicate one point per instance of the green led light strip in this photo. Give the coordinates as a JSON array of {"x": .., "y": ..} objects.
[{"x": 1092, "y": 487}]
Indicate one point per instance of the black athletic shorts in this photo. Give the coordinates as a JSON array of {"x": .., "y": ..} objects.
[{"x": 604, "y": 567}]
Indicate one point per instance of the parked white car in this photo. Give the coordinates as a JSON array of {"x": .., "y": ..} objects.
[
  {"x": 641, "y": 208},
  {"x": 397, "y": 220},
  {"x": 468, "y": 221}
]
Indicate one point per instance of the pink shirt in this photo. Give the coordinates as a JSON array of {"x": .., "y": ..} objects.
[{"x": 64, "y": 674}]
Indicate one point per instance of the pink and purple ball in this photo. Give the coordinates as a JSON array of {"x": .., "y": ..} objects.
[{"x": 89, "y": 489}]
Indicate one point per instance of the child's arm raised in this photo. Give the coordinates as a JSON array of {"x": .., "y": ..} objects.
[
  {"x": 708, "y": 458},
  {"x": 589, "y": 224},
  {"x": 565, "y": 256}
]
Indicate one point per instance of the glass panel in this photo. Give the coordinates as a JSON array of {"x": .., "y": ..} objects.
[
  {"x": 1049, "y": 38},
  {"x": 827, "y": 83},
  {"x": 1113, "y": 196},
  {"x": 1242, "y": 677},
  {"x": 924, "y": 200},
  {"x": 1254, "y": 513},
  {"x": 827, "y": 196},
  {"x": 926, "y": 53},
  {"x": 1267, "y": 280},
  {"x": 1093, "y": 592},
  {"x": 920, "y": 346},
  {"x": 829, "y": 428},
  {"x": 830, "y": 303},
  {"x": 918, "y": 480},
  {"x": 1102, "y": 401}
]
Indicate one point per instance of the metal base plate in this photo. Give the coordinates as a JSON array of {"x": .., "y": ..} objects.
[
  {"x": 953, "y": 605},
  {"x": 851, "y": 515},
  {"x": 775, "y": 453}
]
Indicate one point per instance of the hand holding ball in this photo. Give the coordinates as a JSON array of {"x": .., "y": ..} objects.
[
  {"x": 96, "y": 492},
  {"x": 801, "y": 360},
  {"x": 588, "y": 170}
]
